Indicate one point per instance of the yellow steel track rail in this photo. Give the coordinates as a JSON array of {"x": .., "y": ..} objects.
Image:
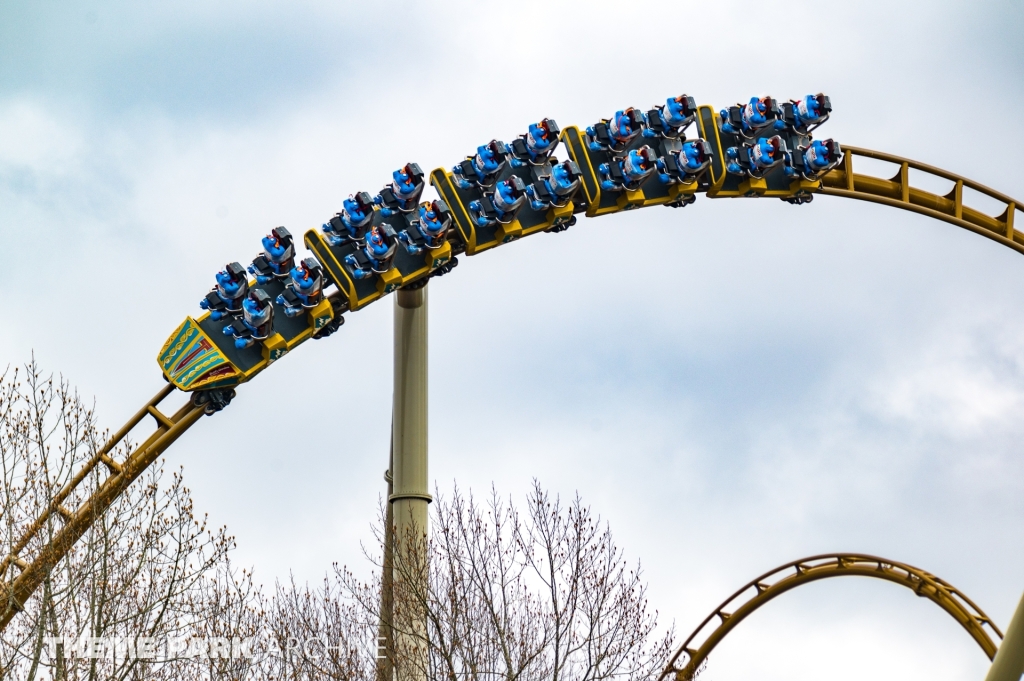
[
  {"x": 15, "y": 592},
  {"x": 842, "y": 181},
  {"x": 759, "y": 591},
  {"x": 897, "y": 192}
]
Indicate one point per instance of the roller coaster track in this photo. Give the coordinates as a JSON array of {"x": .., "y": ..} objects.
[
  {"x": 76, "y": 522},
  {"x": 898, "y": 192},
  {"x": 842, "y": 181},
  {"x": 758, "y": 592}
]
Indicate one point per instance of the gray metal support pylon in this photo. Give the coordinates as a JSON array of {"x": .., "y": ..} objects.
[
  {"x": 409, "y": 497},
  {"x": 1009, "y": 662}
]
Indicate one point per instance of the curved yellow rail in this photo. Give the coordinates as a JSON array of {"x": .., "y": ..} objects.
[
  {"x": 120, "y": 474},
  {"x": 898, "y": 192},
  {"x": 842, "y": 181},
  {"x": 759, "y": 591}
]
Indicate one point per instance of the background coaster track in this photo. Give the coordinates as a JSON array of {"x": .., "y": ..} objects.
[{"x": 758, "y": 592}]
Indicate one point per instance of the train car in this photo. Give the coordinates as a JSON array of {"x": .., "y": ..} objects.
[
  {"x": 632, "y": 160},
  {"x": 199, "y": 355},
  {"x": 412, "y": 258},
  {"x": 731, "y": 136},
  {"x": 475, "y": 202}
]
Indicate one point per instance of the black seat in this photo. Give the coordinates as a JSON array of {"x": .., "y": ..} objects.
[
  {"x": 615, "y": 172},
  {"x": 469, "y": 170},
  {"x": 215, "y": 302},
  {"x": 672, "y": 166},
  {"x": 289, "y": 297},
  {"x": 487, "y": 208},
  {"x": 519, "y": 149},
  {"x": 361, "y": 258},
  {"x": 736, "y": 117},
  {"x": 654, "y": 121},
  {"x": 541, "y": 191},
  {"x": 239, "y": 328},
  {"x": 387, "y": 197}
]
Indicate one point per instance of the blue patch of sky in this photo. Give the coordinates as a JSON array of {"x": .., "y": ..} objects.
[{"x": 234, "y": 66}]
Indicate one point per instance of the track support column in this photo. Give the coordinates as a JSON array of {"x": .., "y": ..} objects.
[
  {"x": 1009, "y": 662},
  {"x": 410, "y": 495}
]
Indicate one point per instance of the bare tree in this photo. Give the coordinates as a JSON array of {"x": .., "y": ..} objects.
[
  {"x": 542, "y": 594},
  {"x": 547, "y": 595},
  {"x": 234, "y": 614},
  {"x": 146, "y": 569},
  {"x": 318, "y": 634}
]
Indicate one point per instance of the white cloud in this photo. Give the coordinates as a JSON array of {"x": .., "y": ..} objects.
[{"x": 777, "y": 382}]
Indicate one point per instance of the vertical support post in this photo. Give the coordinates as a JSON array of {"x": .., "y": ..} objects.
[
  {"x": 848, "y": 170},
  {"x": 1009, "y": 662},
  {"x": 410, "y": 497}
]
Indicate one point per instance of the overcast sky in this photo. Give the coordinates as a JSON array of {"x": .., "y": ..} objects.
[{"x": 772, "y": 382}]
